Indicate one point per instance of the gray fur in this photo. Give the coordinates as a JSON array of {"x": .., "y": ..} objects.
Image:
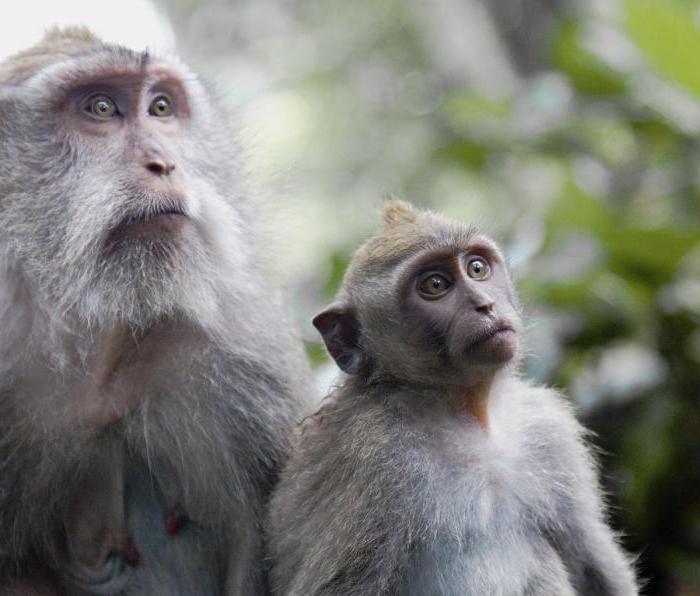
[
  {"x": 221, "y": 384},
  {"x": 390, "y": 493}
]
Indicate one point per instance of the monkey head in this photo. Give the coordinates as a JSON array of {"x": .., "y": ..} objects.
[
  {"x": 118, "y": 194},
  {"x": 428, "y": 300}
]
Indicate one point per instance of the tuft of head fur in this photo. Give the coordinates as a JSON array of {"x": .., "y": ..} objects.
[
  {"x": 57, "y": 43},
  {"x": 406, "y": 230},
  {"x": 397, "y": 211}
]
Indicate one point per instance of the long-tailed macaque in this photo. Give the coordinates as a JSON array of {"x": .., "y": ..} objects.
[
  {"x": 434, "y": 469},
  {"x": 149, "y": 380}
]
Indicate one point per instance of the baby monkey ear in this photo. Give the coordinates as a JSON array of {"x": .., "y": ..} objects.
[{"x": 340, "y": 330}]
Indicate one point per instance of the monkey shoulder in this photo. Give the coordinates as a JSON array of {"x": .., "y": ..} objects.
[
  {"x": 541, "y": 416},
  {"x": 339, "y": 514},
  {"x": 354, "y": 454},
  {"x": 549, "y": 445},
  {"x": 347, "y": 429}
]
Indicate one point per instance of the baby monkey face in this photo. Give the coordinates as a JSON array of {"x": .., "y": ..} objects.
[
  {"x": 428, "y": 301},
  {"x": 459, "y": 303}
]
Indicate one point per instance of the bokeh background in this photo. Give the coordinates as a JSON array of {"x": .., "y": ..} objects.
[{"x": 567, "y": 129}]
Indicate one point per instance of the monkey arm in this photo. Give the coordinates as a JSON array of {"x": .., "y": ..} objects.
[
  {"x": 242, "y": 575},
  {"x": 342, "y": 550},
  {"x": 337, "y": 523},
  {"x": 354, "y": 560},
  {"x": 97, "y": 538},
  {"x": 595, "y": 561},
  {"x": 587, "y": 545}
]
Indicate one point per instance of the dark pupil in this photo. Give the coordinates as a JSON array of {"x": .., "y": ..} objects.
[
  {"x": 437, "y": 283},
  {"x": 477, "y": 267},
  {"x": 161, "y": 106},
  {"x": 103, "y": 107}
]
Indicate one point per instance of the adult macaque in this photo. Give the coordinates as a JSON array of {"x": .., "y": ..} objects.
[
  {"x": 434, "y": 469},
  {"x": 148, "y": 378}
]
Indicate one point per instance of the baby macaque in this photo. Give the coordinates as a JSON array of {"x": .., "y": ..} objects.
[{"x": 434, "y": 468}]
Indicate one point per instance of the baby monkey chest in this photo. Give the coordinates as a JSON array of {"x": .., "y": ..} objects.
[
  {"x": 497, "y": 509},
  {"x": 466, "y": 566}
]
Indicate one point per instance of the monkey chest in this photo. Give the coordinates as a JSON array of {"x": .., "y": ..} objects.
[
  {"x": 486, "y": 530},
  {"x": 126, "y": 534},
  {"x": 501, "y": 563}
]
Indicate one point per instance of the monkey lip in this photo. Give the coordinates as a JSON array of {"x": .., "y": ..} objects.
[
  {"x": 148, "y": 216},
  {"x": 150, "y": 223},
  {"x": 162, "y": 226},
  {"x": 497, "y": 331}
]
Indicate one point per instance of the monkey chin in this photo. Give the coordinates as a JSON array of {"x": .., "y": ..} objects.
[{"x": 496, "y": 348}]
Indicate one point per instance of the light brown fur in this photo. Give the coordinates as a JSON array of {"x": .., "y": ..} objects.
[{"x": 57, "y": 43}]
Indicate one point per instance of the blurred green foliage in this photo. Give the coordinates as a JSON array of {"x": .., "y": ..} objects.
[{"x": 668, "y": 34}]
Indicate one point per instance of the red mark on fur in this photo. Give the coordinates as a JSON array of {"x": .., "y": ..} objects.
[
  {"x": 172, "y": 525},
  {"x": 133, "y": 557}
]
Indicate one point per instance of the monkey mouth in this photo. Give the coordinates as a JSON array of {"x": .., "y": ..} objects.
[
  {"x": 497, "y": 331},
  {"x": 151, "y": 215},
  {"x": 154, "y": 224}
]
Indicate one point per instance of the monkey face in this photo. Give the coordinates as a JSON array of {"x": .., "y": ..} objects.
[
  {"x": 460, "y": 305},
  {"x": 116, "y": 195},
  {"x": 444, "y": 312}
]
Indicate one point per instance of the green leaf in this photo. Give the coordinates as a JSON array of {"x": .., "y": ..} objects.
[
  {"x": 316, "y": 353},
  {"x": 467, "y": 112},
  {"x": 588, "y": 74},
  {"x": 652, "y": 254},
  {"x": 338, "y": 263},
  {"x": 464, "y": 152},
  {"x": 577, "y": 210},
  {"x": 669, "y": 37}
]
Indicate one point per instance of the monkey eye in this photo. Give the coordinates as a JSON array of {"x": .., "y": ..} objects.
[
  {"x": 433, "y": 285},
  {"x": 161, "y": 107},
  {"x": 478, "y": 268},
  {"x": 101, "y": 107}
]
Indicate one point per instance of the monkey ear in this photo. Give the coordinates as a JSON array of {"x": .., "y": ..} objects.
[
  {"x": 340, "y": 330},
  {"x": 397, "y": 211}
]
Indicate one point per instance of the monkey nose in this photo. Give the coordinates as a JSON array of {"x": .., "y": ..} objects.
[
  {"x": 481, "y": 301},
  {"x": 485, "y": 307},
  {"x": 159, "y": 167}
]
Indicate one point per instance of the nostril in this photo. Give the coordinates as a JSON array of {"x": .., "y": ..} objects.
[
  {"x": 159, "y": 167},
  {"x": 486, "y": 307}
]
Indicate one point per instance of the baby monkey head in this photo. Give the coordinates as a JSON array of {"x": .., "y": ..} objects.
[{"x": 427, "y": 300}]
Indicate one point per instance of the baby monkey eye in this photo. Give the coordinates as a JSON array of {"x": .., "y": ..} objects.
[
  {"x": 161, "y": 107},
  {"x": 101, "y": 106},
  {"x": 478, "y": 268},
  {"x": 433, "y": 285}
]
